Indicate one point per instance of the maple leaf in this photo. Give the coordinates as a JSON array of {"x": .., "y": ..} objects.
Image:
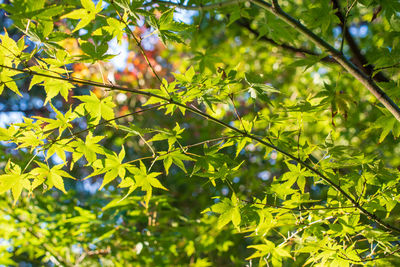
[
  {"x": 85, "y": 14},
  {"x": 97, "y": 108},
  {"x": 62, "y": 122},
  {"x": 114, "y": 167},
  {"x": 6, "y": 80},
  {"x": 229, "y": 210},
  {"x": 53, "y": 87},
  {"x": 13, "y": 179},
  {"x": 89, "y": 148},
  {"x": 52, "y": 176},
  {"x": 141, "y": 178}
]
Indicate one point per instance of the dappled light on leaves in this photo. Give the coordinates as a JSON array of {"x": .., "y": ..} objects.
[{"x": 220, "y": 133}]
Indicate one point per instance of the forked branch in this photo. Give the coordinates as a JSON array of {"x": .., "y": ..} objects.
[{"x": 367, "y": 81}]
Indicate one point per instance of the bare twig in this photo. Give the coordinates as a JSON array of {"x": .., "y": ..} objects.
[{"x": 296, "y": 209}]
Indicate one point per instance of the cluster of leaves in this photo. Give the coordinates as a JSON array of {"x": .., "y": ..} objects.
[{"x": 246, "y": 138}]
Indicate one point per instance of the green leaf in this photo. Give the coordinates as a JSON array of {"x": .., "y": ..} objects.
[
  {"x": 97, "y": 108},
  {"x": 62, "y": 122},
  {"x": 115, "y": 28},
  {"x": 88, "y": 4},
  {"x": 387, "y": 124},
  {"x": 75, "y": 14},
  {"x": 60, "y": 148},
  {"x": 53, "y": 176},
  {"x": 7, "y": 80},
  {"x": 30, "y": 139},
  {"x": 9, "y": 47},
  {"x": 282, "y": 252},
  {"x": 176, "y": 157},
  {"x": 52, "y": 86},
  {"x": 114, "y": 167},
  {"x": 261, "y": 249},
  {"x": 166, "y": 27},
  {"x": 86, "y": 15},
  {"x": 228, "y": 210},
  {"x": 146, "y": 181},
  {"x": 241, "y": 144},
  {"x": 13, "y": 179},
  {"x": 89, "y": 148}
]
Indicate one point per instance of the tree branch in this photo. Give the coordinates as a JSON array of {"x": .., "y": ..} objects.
[
  {"x": 388, "y": 227},
  {"x": 198, "y": 8},
  {"x": 375, "y": 258},
  {"x": 302, "y": 51},
  {"x": 296, "y": 209},
  {"x": 339, "y": 57},
  {"x": 358, "y": 58},
  {"x": 302, "y": 229}
]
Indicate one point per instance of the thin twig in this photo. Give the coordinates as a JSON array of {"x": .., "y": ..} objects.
[
  {"x": 184, "y": 148},
  {"x": 198, "y": 8},
  {"x": 104, "y": 122},
  {"x": 296, "y": 209},
  {"x": 389, "y": 67},
  {"x": 236, "y": 112},
  {"x": 138, "y": 43},
  {"x": 378, "y": 257},
  {"x": 304, "y": 52},
  {"x": 302, "y": 229},
  {"x": 344, "y": 26}
]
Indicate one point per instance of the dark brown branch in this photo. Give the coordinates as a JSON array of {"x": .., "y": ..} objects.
[
  {"x": 396, "y": 65},
  {"x": 377, "y": 257},
  {"x": 358, "y": 58},
  {"x": 298, "y": 50},
  {"x": 352, "y": 69},
  {"x": 198, "y": 8},
  {"x": 244, "y": 23},
  {"x": 296, "y": 209}
]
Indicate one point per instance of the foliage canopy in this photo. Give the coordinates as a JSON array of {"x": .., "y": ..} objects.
[{"x": 200, "y": 133}]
